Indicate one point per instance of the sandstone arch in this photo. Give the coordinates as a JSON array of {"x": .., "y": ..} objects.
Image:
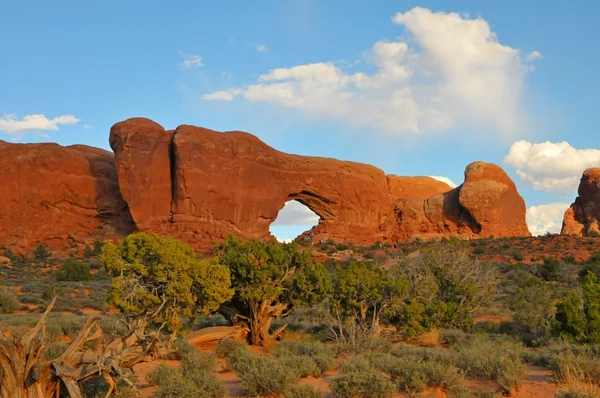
[{"x": 232, "y": 182}]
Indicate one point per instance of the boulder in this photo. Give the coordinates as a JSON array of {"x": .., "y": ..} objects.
[{"x": 487, "y": 203}]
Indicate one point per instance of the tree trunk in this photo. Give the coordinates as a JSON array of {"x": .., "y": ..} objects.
[{"x": 260, "y": 326}]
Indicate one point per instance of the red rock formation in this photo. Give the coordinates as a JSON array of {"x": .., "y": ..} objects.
[
  {"x": 142, "y": 157},
  {"x": 583, "y": 217},
  {"x": 58, "y": 195},
  {"x": 486, "y": 204},
  {"x": 234, "y": 183},
  {"x": 200, "y": 185}
]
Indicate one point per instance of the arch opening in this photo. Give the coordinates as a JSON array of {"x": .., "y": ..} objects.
[{"x": 293, "y": 220}]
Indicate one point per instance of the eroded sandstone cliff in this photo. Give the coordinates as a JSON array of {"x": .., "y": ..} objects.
[
  {"x": 200, "y": 185},
  {"x": 59, "y": 196}
]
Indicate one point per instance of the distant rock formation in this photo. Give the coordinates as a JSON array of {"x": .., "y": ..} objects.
[
  {"x": 582, "y": 218},
  {"x": 200, "y": 185}
]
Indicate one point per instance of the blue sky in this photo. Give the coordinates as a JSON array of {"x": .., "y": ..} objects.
[{"x": 415, "y": 88}]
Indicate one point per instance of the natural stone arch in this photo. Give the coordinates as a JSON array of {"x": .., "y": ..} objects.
[{"x": 213, "y": 184}]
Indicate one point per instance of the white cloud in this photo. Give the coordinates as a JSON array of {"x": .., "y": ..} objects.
[
  {"x": 546, "y": 218},
  {"x": 533, "y": 56},
  {"x": 87, "y": 126},
  {"x": 444, "y": 179},
  {"x": 551, "y": 166},
  {"x": 191, "y": 61},
  {"x": 452, "y": 71},
  {"x": 261, "y": 48},
  {"x": 221, "y": 95},
  {"x": 295, "y": 213},
  {"x": 10, "y": 124}
]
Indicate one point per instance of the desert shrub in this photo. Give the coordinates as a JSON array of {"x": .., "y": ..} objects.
[
  {"x": 551, "y": 268},
  {"x": 587, "y": 391},
  {"x": 228, "y": 346},
  {"x": 172, "y": 383},
  {"x": 51, "y": 291},
  {"x": 301, "y": 366},
  {"x": 446, "y": 286},
  {"x": 452, "y": 336},
  {"x": 531, "y": 300},
  {"x": 320, "y": 354},
  {"x": 499, "y": 359},
  {"x": 73, "y": 270},
  {"x": 303, "y": 391},
  {"x": 488, "y": 327},
  {"x": 518, "y": 255},
  {"x": 55, "y": 350},
  {"x": 366, "y": 384},
  {"x": 8, "y": 300},
  {"x": 194, "y": 379},
  {"x": 412, "y": 374},
  {"x": 93, "y": 250},
  {"x": 361, "y": 292},
  {"x": 570, "y": 319},
  {"x": 578, "y": 314},
  {"x": 41, "y": 253},
  {"x": 573, "y": 368},
  {"x": 262, "y": 375},
  {"x": 357, "y": 364},
  {"x": 460, "y": 391}
]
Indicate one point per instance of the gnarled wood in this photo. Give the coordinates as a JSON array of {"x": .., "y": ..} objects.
[{"x": 26, "y": 374}]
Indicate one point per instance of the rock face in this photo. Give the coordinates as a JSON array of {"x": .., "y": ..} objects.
[
  {"x": 59, "y": 196},
  {"x": 486, "y": 204},
  {"x": 200, "y": 185},
  {"x": 142, "y": 157},
  {"x": 232, "y": 182},
  {"x": 583, "y": 217}
]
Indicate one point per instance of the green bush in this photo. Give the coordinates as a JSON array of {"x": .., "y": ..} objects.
[
  {"x": 262, "y": 375},
  {"x": 55, "y": 350},
  {"x": 73, "y": 270},
  {"x": 41, "y": 253},
  {"x": 228, "y": 346},
  {"x": 499, "y": 359},
  {"x": 303, "y": 391},
  {"x": 366, "y": 384},
  {"x": 172, "y": 383},
  {"x": 194, "y": 379},
  {"x": 52, "y": 291},
  {"x": 452, "y": 336},
  {"x": 576, "y": 367},
  {"x": 532, "y": 301},
  {"x": 320, "y": 354},
  {"x": 358, "y": 364},
  {"x": 413, "y": 375},
  {"x": 8, "y": 300},
  {"x": 551, "y": 269}
]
